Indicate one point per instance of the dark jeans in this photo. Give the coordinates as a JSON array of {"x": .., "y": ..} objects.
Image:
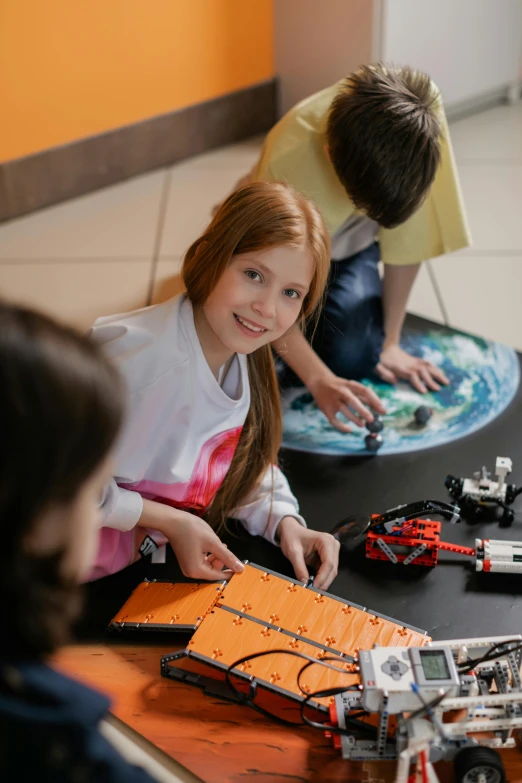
[{"x": 349, "y": 334}]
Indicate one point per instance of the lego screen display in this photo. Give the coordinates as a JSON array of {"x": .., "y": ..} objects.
[{"x": 434, "y": 665}]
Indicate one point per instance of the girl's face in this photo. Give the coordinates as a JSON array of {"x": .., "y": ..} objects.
[
  {"x": 256, "y": 300},
  {"x": 73, "y": 527}
]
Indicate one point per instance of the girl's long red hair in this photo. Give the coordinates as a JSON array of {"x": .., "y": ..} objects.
[{"x": 255, "y": 217}]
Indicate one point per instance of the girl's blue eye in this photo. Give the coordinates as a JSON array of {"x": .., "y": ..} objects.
[
  {"x": 252, "y": 274},
  {"x": 291, "y": 293}
]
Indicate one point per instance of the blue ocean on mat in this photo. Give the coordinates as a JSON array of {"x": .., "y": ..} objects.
[{"x": 484, "y": 378}]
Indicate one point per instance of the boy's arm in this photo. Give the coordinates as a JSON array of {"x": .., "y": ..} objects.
[
  {"x": 332, "y": 394},
  {"x": 394, "y": 362}
]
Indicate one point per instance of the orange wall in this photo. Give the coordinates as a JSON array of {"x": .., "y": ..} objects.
[{"x": 74, "y": 68}]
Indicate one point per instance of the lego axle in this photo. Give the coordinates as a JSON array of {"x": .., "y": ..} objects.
[{"x": 420, "y": 544}]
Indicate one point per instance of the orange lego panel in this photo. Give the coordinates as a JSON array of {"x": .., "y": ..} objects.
[
  {"x": 224, "y": 638},
  {"x": 167, "y": 606},
  {"x": 311, "y": 614}
]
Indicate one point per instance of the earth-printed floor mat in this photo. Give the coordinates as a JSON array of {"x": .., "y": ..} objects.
[{"x": 484, "y": 378}]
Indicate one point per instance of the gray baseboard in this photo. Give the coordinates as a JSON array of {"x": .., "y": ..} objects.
[
  {"x": 61, "y": 173},
  {"x": 482, "y": 102}
]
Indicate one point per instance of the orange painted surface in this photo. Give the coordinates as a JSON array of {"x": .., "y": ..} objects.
[
  {"x": 75, "y": 69},
  {"x": 220, "y": 741},
  {"x": 217, "y": 740},
  {"x": 225, "y": 637},
  {"x": 310, "y": 614},
  {"x": 312, "y": 621},
  {"x": 167, "y": 604}
]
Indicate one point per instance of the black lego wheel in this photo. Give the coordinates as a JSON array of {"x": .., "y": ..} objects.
[
  {"x": 511, "y": 493},
  {"x": 471, "y": 508},
  {"x": 508, "y": 516},
  {"x": 477, "y": 764},
  {"x": 454, "y": 486}
]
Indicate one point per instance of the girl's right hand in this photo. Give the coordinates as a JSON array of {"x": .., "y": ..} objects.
[{"x": 199, "y": 551}]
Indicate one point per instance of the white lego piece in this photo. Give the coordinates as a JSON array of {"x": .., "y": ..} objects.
[
  {"x": 479, "y": 644},
  {"x": 420, "y": 685},
  {"x": 499, "y": 556},
  {"x": 503, "y": 467},
  {"x": 415, "y": 554},
  {"x": 482, "y": 487},
  {"x": 387, "y": 551},
  {"x": 420, "y": 736}
]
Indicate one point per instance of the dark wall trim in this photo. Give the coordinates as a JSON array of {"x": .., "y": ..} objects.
[{"x": 61, "y": 173}]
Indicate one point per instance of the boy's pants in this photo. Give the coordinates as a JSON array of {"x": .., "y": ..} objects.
[{"x": 349, "y": 334}]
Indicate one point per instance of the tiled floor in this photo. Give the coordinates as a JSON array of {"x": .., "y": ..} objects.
[{"x": 121, "y": 248}]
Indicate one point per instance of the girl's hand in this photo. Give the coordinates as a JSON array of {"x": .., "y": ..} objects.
[
  {"x": 199, "y": 551},
  {"x": 302, "y": 545}
]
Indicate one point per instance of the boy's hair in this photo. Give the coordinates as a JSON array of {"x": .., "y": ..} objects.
[
  {"x": 256, "y": 217},
  {"x": 383, "y": 136},
  {"x": 60, "y": 408}
]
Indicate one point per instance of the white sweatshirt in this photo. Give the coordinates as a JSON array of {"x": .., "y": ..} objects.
[{"x": 182, "y": 426}]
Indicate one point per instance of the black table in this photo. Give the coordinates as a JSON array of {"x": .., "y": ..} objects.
[{"x": 449, "y": 601}]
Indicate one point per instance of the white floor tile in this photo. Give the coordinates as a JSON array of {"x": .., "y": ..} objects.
[
  {"x": 77, "y": 292},
  {"x": 493, "y": 135},
  {"x": 194, "y": 191},
  {"x": 242, "y": 154},
  {"x": 482, "y": 295},
  {"x": 423, "y": 299},
  {"x": 493, "y": 199},
  {"x": 167, "y": 280},
  {"x": 115, "y": 222}
]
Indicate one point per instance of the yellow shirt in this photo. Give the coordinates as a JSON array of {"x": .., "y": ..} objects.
[{"x": 293, "y": 152}]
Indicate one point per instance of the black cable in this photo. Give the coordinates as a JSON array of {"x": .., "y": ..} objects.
[
  {"x": 495, "y": 651},
  {"x": 349, "y": 719},
  {"x": 426, "y": 707},
  {"x": 250, "y": 702},
  {"x": 325, "y": 693}
]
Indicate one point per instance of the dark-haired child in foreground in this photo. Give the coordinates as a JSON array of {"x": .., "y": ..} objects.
[{"x": 60, "y": 407}]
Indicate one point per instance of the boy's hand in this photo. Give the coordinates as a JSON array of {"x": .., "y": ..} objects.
[
  {"x": 396, "y": 364},
  {"x": 334, "y": 395},
  {"x": 303, "y": 546}
]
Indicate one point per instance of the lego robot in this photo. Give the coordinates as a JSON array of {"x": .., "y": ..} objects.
[
  {"x": 380, "y": 689},
  {"x": 481, "y": 494},
  {"x": 354, "y": 528},
  {"x": 457, "y": 700},
  {"x": 401, "y": 535}
]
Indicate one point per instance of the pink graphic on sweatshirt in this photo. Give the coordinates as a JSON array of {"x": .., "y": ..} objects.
[
  {"x": 118, "y": 549},
  {"x": 199, "y": 491}
]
